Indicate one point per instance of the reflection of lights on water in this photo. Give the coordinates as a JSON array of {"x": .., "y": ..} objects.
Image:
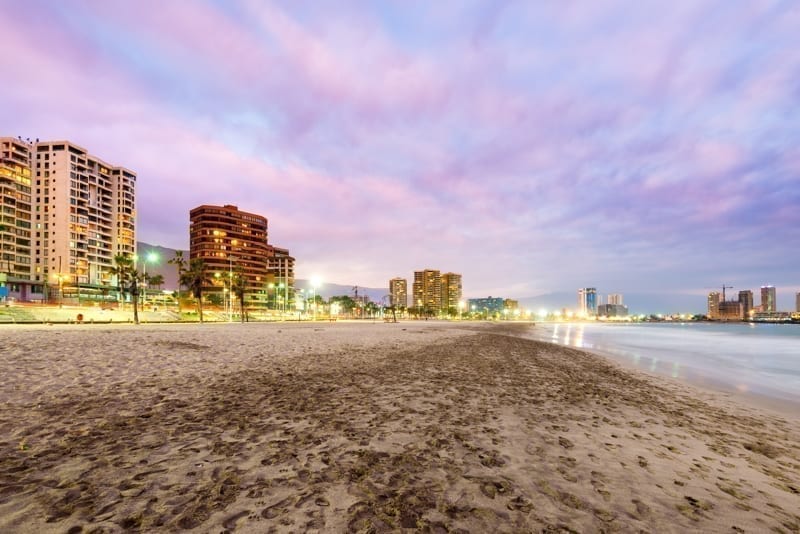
[
  {"x": 653, "y": 364},
  {"x": 566, "y": 336},
  {"x": 676, "y": 370},
  {"x": 579, "y": 337},
  {"x": 742, "y": 388},
  {"x": 636, "y": 359},
  {"x": 555, "y": 334}
]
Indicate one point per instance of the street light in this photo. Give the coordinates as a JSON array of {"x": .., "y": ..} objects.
[
  {"x": 60, "y": 278},
  {"x": 230, "y": 288},
  {"x": 270, "y": 287},
  {"x": 303, "y": 301},
  {"x": 314, "y": 285},
  {"x": 151, "y": 257}
]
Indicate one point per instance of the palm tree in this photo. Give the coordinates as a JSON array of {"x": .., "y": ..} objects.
[
  {"x": 238, "y": 288},
  {"x": 180, "y": 263},
  {"x": 156, "y": 281},
  {"x": 128, "y": 279},
  {"x": 195, "y": 278}
]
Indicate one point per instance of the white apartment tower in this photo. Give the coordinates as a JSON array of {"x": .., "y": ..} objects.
[
  {"x": 398, "y": 291},
  {"x": 85, "y": 214}
]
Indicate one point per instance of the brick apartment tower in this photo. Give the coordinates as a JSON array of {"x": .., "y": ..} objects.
[{"x": 229, "y": 240}]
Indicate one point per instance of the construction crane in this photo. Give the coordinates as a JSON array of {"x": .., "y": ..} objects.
[{"x": 724, "y": 287}]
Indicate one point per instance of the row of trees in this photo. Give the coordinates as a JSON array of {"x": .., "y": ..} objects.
[{"x": 194, "y": 277}]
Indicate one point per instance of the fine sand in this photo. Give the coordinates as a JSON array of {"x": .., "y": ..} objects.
[{"x": 439, "y": 427}]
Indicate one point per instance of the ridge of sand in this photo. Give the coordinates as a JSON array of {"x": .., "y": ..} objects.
[{"x": 370, "y": 428}]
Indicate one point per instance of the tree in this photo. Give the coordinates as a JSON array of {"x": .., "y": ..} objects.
[
  {"x": 195, "y": 278},
  {"x": 155, "y": 280},
  {"x": 346, "y": 303},
  {"x": 238, "y": 288},
  {"x": 180, "y": 263},
  {"x": 128, "y": 279}
]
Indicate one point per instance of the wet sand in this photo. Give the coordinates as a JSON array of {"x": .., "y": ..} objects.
[{"x": 371, "y": 428}]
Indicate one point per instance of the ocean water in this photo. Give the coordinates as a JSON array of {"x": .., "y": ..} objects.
[{"x": 762, "y": 359}]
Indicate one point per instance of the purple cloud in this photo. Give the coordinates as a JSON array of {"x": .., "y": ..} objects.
[{"x": 531, "y": 147}]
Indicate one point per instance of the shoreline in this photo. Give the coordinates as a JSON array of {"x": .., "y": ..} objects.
[
  {"x": 765, "y": 398},
  {"x": 348, "y": 427},
  {"x": 775, "y": 403}
]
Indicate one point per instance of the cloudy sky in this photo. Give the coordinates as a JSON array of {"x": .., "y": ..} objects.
[{"x": 531, "y": 146}]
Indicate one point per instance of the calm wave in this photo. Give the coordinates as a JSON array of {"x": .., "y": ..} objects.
[{"x": 757, "y": 358}]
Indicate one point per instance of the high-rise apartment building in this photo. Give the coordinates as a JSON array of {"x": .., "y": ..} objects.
[
  {"x": 232, "y": 241},
  {"x": 65, "y": 215},
  {"x": 587, "y": 301},
  {"x": 85, "y": 214},
  {"x": 280, "y": 269},
  {"x": 797, "y": 301},
  {"x": 746, "y": 302},
  {"x": 615, "y": 299},
  {"x": 427, "y": 290},
  {"x": 451, "y": 292},
  {"x": 713, "y": 305},
  {"x": 768, "y": 299},
  {"x": 15, "y": 213},
  {"x": 398, "y": 292}
]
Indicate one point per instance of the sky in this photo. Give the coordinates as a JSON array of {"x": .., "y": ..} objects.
[{"x": 533, "y": 147}]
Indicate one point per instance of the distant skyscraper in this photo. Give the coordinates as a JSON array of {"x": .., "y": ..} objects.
[
  {"x": 768, "y": 299},
  {"x": 451, "y": 291},
  {"x": 746, "y": 301},
  {"x": 427, "y": 290},
  {"x": 797, "y": 301},
  {"x": 398, "y": 292},
  {"x": 615, "y": 298},
  {"x": 713, "y": 305},
  {"x": 587, "y": 301}
]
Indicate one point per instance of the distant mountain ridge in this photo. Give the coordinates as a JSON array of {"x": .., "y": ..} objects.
[{"x": 638, "y": 303}]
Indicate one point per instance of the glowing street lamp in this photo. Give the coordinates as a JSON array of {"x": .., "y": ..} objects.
[
  {"x": 271, "y": 287},
  {"x": 315, "y": 283},
  {"x": 60, "y": 277},
  {"x": 151, "y": 257}
]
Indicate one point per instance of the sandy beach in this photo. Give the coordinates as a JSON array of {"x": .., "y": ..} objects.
[{"x": 337, "y": 427}]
